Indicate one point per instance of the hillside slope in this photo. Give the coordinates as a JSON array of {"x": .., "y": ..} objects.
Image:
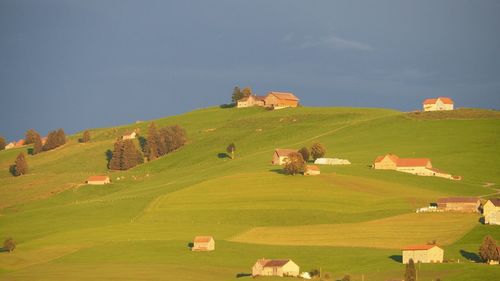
[{"x": 138, "y": 227}]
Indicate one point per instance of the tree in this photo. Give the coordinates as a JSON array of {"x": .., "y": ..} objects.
[
  {"x": 317, "y": 151},
  {"x": 237, "y": 95},
  {"x": 295, "y": 164},
  {"x": 246, "y": 92},
  {"x": 346, "y": 277},
  {"x": 55, "y": 139},
  {"x": 125, "y": 156},
  {"x": 155, "y": 147},
  {"x": 20, "y": 166},
  {"x": 488, "y": 250},
  {"x": 9, "y": 244},
  {"x": 2, "y": 143},
  {"x": 37, "y": 146},
  {"x": 117, "y": 155},
  {"x": 231, "y": 148},
  {"x": 61, "y": 137},
  {"x": 30, "y": 136},
  {"x": 305, "y": 153},
  {"x": 85, "y": 136},
  {"x": 410, "y": 272}
]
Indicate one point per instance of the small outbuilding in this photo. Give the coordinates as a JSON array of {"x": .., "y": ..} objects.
[
  {"x": 10, "y": 145},
  {"x": 459, "y": 204},
  {"x": 98, "y": 180},
  {"x": 280, "y": 156},
  {"x": 438, "y": 104},
  {"x": 423, "y": 254},
  {"x": 312, "y": 170},
  {"x": 129, "y": 136},
  {"x": 203, "y": 244},
  {"x": 270, "y": 267}
]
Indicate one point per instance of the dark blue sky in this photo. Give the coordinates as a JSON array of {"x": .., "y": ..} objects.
[{"x": 85, "y": 64}]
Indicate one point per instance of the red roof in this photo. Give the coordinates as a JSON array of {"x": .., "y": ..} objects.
[
  {"x": 98, "y": 178},
  {"x": 458, "y": 200},
  {"x": 284, "y": 96},
  {"x": 495, "y": 201},
  {"x": 312, "y": 167},
  {"x": 430, "y": 101},
  {"x": 446, "y": 100},
  {"x": 412, "y": 162},
  {"x": 393, "y": 157},
  {"x": 284, "y": 151},
  {"x": 19, "y": 143},
  {"x": 203, "y": 239},
  {"x": 419, "y": 247}
]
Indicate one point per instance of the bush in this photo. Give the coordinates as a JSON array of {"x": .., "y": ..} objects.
[
  {"x": 317, "y": 151},
  {"x": 9, "y": 244},
  {"x": 295, "y": 164}
]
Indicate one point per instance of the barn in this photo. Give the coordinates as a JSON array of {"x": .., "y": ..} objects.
[
  {"x": 270, "y": 267},
  {"x": 423, "y": 254},
  {"x": 203, "y": 244},
  {"x": 459, "y": 204}
]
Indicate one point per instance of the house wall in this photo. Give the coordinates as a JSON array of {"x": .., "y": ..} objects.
[
  {"x": 460, "y": 207},
  {"x": 489, "y": 208},
  {"x": 290, "y": 269},
  {"x": 421, "y": 171},
  {"x": 492, "y": 218},
  {"x": 385, "y": 164},
  {"x": 432, "y": 255},
  {"x": 272, "y": 101},
  {"x": 210, "y": 246},
  {"x": 312, "y": 172},
  {"x": 98, "y": 182},
  {"x": 279, "y": 160},
  {"x": 439, "y": 105}
]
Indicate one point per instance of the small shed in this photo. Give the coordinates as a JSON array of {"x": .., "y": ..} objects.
[
  {"x": 312, "y": 170},
  {"x": 98, "y": 180},
  {"x": 203, "y": 244},
  {"x": 423, "y": 254}
]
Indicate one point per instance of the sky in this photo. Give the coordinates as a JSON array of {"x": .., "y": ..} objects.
[{"x": 87, "y": 64}]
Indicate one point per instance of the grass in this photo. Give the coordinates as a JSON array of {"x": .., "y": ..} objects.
[{"x": 350, "y": 219}]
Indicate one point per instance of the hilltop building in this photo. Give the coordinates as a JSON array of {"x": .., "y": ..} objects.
[
  {"x": 416, "y": 166},
  {"x": 10, "y": 145},
  {"x": 491, "y": 211},
  {"x": 203, "y": 244},
  {"x": 129, "y": 136},
  {"x": 274, "y": 100},
  {"x": 459, "y": 204},
  {"x": 266, "y": 267},
  {"x": 98, "y": 180},
  {"x": 437, "y": 104},
  {"x": 20, "y": 143},
  {"x": 423, "y": 254},
  {"x": 312, "y": 170},
  {"x": 280, "y": 156}
]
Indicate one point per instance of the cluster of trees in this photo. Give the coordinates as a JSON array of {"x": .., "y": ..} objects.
[
  {"x": 20, "y": 166},
  {"x": 125, "y": 156},
  {"x": 239, "y": 94},
  {"x": 163, "y": 141},
  {"x": 2, "y": 143},
  {"x": 54, "y": 139},
  {"x": 297, "y": 161}
]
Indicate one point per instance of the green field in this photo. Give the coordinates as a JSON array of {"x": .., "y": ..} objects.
[{"x": 349, "y": 220}]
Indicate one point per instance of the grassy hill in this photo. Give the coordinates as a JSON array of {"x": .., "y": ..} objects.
[{"x": 350, "y": 219}]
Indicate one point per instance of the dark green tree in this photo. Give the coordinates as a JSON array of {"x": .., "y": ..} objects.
[
  {"x": 295, "y": 164},
  {"x": 125, "y": 155},
  {"x": 85, "y": 136},
  {"x": 30, "y": 136},
  {"x": 116, "y": 159},
  {"x": 155, "y": 147},
  {"x": 20, "y": 166},
  {"x": 61, "y": 137},
  {"x": 2, "y": 143},
  {"x": 231, "y": 148},
  {"x": 237, "y": 95},
  {"x": 317, "y": 151},
  {"x": 9, "y": 244},
  {"x": 410, "y": 271},
  {"x": 37, "y": 146},
  {"x": 305, "y": 153},
  {"x": 488, "y": 250}
]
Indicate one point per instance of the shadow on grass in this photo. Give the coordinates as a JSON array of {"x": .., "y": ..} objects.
[
  {"x": 278, "y": 171},
  {"x": 227, "y": 105},
  {"x": 241, "y": 274},
  {"x": 2, "y": 250},
  {"x": 223, "y": 156},
  {"x": 397, "y": 258},
  {"x": 190, "y": 245},
  {"x": 470, "y": 256}
]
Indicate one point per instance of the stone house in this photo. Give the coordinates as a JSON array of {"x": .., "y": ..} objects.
[
  {"x": 423, "y": 254},
  {"x": 267, "y": 267},
  {"x": 203, "y": 244},
  {"x": 280, "y": 156},
  {"x": 437, "y": 104},
  {"x": 459, "y": 204}
]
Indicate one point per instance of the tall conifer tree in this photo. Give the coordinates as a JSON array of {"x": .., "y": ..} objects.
[{"x": 37, "y": 146}]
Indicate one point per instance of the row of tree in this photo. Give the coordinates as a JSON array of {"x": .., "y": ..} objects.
[
  {"x": 125, "y": 156},
  {"x": 55, "y": 139}
]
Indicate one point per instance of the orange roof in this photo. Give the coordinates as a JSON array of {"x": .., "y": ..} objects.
[
  {"x": 412, "y": 162},
  {"x": 98, "y": 178},
  {"x": 446, "y": 100},
  {"x": 312, "y": 167},
  {"x": 284, "y": 96},
  {"x": 202, "y": 239},
  {"x": 393, "y": 157},
  {"x": 419, "y": 247},
  {"x": 430, "y": 101},
  {"x": 20, "y": 143},
  {"x": 284, "y": 151}
]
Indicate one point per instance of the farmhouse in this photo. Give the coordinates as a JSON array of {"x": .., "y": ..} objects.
[
  {"x": 19, "y": 143},
  {"x": 98, "y": 180},
  {"x": 203, "y": 244},
  {"x": 312, "y": 170},
  {"x": 280, "y": 156},
  {"x": 10, "y": 145},
  {"x": 459, "y": 204},
  {"x": 266, "y": 267},
  {"x": 278, "y": 100},
  {"x": 423, "y": 254},
  {"x": 440, "y": 103},
  {"x": 416, "y": 166},
  {"x": 332, "y": 161},
  {"x": 129, "y": 136},
  {"x": 491, "y": 211},
  {"x": 251, "y": 100}
]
